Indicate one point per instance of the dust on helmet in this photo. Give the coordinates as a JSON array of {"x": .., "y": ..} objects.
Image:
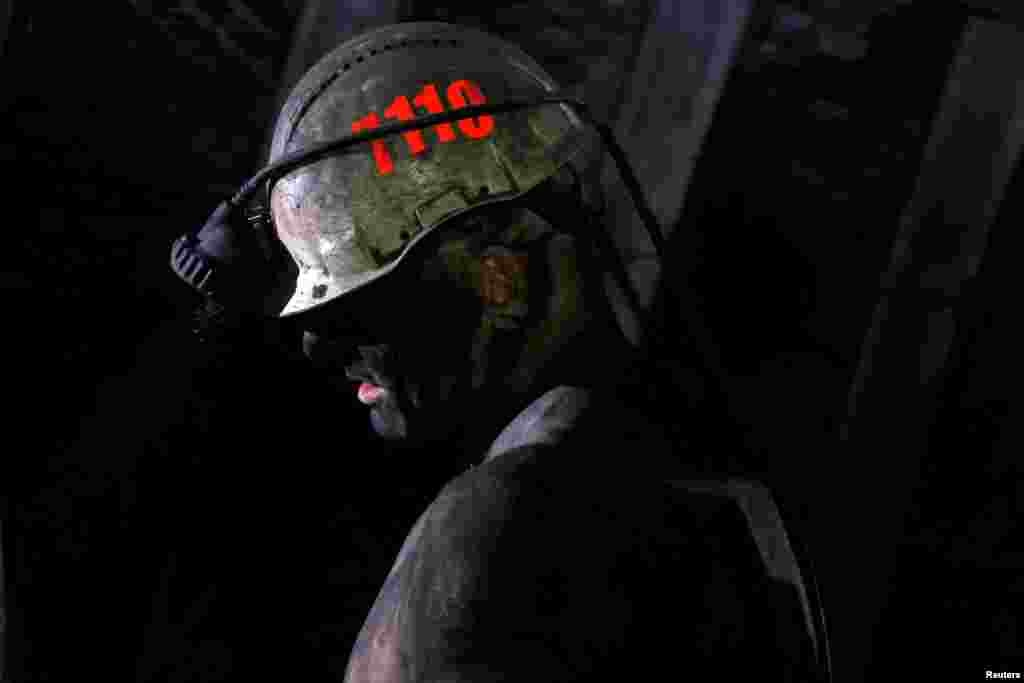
[{"x": 350, "y": 219}]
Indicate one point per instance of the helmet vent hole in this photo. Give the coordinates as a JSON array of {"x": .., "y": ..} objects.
[
  {"x": 360, "y": 59},
  {"x": 346, "y": 67},
  {"x": 373, "y": 53},
  {"x": 484, "y": 191},
  {"x": 404, "y": 235}
]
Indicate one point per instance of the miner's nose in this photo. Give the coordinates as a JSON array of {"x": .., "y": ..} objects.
[{"x": 310, "y": 340}]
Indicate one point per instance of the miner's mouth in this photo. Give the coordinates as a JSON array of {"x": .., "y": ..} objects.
[
  {"x": 381, "y": 390},
  {"x": 370, "y": 394},
  {"x": 383, "y": 382},
  {"x": 372, "y": 373}
]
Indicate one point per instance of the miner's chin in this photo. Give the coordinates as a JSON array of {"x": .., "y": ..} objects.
[
  {"x": 388, "y": 422},
  {"x": 416, "y": 426}
]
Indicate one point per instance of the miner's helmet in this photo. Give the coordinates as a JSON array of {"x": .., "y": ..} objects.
[{"x": 369, "y": 156}]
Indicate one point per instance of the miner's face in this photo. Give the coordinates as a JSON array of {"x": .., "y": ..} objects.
[{"x": 464, "y": 326}]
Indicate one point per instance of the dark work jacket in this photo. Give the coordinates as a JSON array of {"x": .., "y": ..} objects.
[{"x": 567, "y": 554}]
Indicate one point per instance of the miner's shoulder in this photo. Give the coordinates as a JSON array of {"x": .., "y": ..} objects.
[{"x": 487, "y": 493}]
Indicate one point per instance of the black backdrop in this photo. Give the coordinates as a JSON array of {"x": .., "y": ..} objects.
[{"x": 173, "y": 509}]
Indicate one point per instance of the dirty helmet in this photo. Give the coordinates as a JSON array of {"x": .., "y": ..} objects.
[
  {"x": 340, "y": 206},
  {"x": 350, "y": 219}
]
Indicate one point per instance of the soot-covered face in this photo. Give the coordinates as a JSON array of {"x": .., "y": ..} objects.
[{"x": 465, "y": 328}]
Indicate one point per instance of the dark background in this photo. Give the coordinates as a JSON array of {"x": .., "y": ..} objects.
[{"x": 177, "y": 512}]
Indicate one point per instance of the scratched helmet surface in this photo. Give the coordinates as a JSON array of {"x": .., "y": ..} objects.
[{"x": 350, "y": 219}]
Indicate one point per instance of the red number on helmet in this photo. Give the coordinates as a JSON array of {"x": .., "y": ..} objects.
[
  {"x": 458, "y": 93},
  {"x": 429, "y": 99},
  {"x": 380, "y": 152},
  {"x": 401, "y": 109}
]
